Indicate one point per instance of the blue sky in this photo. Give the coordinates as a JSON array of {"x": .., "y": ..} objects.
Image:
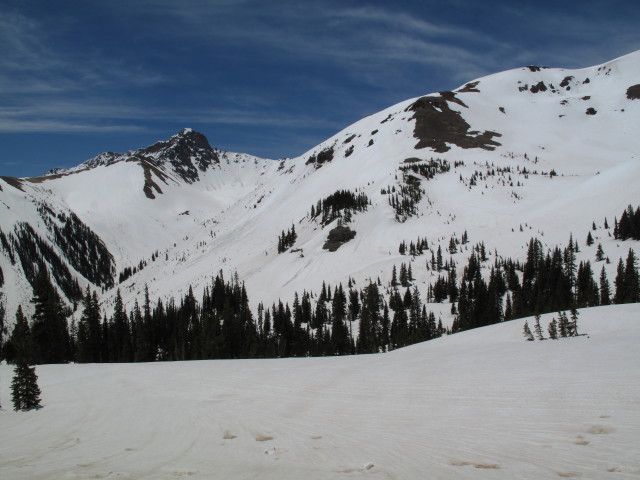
[{"x": 270, "y": 78}]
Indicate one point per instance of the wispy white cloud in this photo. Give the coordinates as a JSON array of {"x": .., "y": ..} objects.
[
  {"x": 387, "y": 49},
  {"x": 62, "y": 126},
  {"x": 348, "y": 37},
  {"x": 72, "y": 116},
  {"x": 31, "y": 63}
]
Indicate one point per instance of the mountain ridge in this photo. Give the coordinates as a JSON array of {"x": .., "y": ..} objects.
[
  {"x": 203, "y": 210},
  {"x": 179, "y": 151}
]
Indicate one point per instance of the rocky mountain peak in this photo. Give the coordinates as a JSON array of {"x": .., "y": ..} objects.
[{"x": 187, "y": 152}]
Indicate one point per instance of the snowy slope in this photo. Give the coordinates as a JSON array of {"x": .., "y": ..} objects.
[
  {"x": 482, "y": 404},
  {"x": 230, "y": 214}
]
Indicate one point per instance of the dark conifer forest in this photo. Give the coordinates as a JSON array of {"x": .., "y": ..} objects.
[{"x": 337, "y": 320}]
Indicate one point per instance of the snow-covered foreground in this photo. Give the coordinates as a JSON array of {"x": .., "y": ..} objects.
[{"x": 480, "y": 404}]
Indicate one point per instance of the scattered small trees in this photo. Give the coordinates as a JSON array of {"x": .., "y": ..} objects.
[
  {"x": 627, "y": 281},
  {"x": 629, "y": 225},
  {"x": 561, "y": 328},
  {"x": 340, "y": 204},
  {"x": 286, "y": 240}
]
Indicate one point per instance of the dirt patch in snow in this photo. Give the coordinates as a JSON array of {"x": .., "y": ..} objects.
[
  {"x": 437, "y": 125},
  {"x": 600, "y": 430},
  {"x": 14, "y": 182},
  {"x": 338, "y": 237},
  {"x": 538, "y": 87},
  {"x": 565, "y": 81},
  {"x": 470, "y": 87},
  {"x": 451, "y": 97},
  {"x": 149, "y": 184},
  {"x": 324, "y": 156},
  {"x": 633, "y": 92},
  {"x": 48, "y": 177},
  {"x": 348, "y": 151},
  {"x": 487, "y": 466}
]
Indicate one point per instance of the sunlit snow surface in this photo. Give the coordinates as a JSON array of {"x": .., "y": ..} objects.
[{"x": 483, "y": 404}]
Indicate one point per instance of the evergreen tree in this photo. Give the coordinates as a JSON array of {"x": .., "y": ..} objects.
[
  {"x": 20, "y": 346},
  {"x": 340, "y": 340},
  {"x": 49, "y": 330},
  {"x": 120, "y": 347},
  {"x": 369, "y": 337},
  {"x": 570, "y": 261},
  {"x": 605, "y": 289},
  {"x": 619, "y": 282},
  {"x": 386, "y": 327},
  {"x": 572, "y": 325},
  {"x": 587, "y": 293},
  {"x": 527, "y": 332},
  {"x": 404, "y": 276},
  {"x": 563, "y": 325},
  {"x": 399, "y": 332},
  {"x": 538, "y": 328},
  {"x": 599, "y": 253},
  {"x": 25, "y": 392},
  {"x": 394, "y": 277},
  {"x": 589, "y": 239},
  {"x": 147, "y": 348},
  {"x": 553, "y": 329},
  {"x": 3, "y": 328},
  {"x": 452, "y": 287},
  {"x": 631, "y": 279},
  {"x": 508, "y": 309},
  {"x": 89, "y": 336},
  {"x": 452, "y": 246}
]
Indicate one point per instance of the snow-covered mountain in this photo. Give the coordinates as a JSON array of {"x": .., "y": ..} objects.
[{"x": 529, "y": 152}]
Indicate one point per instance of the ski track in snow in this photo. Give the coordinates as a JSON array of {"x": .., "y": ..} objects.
[{"x": 482, "y": 404}]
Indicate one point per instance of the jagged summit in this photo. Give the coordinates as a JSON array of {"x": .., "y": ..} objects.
[{"x": 185, "y": 153}]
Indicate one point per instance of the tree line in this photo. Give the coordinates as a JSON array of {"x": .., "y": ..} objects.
[{"x": 334, "y": 321}]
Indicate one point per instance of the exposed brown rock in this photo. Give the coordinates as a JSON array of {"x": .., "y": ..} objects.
[{"x": 437, "y": 125}]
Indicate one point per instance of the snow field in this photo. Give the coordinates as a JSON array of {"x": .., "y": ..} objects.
[{"x": 482, "y": 404}]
